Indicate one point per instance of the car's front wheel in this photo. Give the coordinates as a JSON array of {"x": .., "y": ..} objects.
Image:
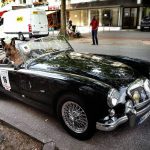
[{"x": 76, "y": 117}]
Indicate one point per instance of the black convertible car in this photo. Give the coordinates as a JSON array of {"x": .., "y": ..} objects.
[{"x": 86, "y": 91}]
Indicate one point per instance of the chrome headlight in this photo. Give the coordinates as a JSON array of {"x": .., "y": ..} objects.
[
  {"x": 113, "y": 97},
  {"x": 136, "y": 96}
]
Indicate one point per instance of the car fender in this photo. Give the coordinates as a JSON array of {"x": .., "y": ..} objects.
[{"x": 142, "y": 66}]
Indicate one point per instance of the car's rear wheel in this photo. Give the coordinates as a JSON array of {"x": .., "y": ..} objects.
[{"x": 76, "y": 117}]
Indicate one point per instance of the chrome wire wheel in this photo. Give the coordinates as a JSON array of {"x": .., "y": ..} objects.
[{"x": 74, "y": 117}]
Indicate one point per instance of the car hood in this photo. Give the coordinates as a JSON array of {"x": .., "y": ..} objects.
[{"x": 97, "y": 67}]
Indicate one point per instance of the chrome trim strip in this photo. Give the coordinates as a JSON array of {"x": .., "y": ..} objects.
[
  {"x": 142, "y": 104},
  {"x": 143, "y": 111}
]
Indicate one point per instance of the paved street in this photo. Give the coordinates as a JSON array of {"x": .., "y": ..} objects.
[
  {"x": 46, "y": 128},
  {"x": 128, "y": 43}
]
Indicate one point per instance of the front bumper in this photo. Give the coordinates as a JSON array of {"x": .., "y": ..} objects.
[{"x": 137, "y": 117}]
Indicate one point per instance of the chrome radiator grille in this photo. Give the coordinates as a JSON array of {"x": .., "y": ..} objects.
[{"x": 139, "y": 92}]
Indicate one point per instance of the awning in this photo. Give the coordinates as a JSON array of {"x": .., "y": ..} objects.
[{"x": 50, "y": 12}]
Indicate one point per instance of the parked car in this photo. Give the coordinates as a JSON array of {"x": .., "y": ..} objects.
[
  {"x": 86, "y": 91},
  {"x": 145, "y": 23}
]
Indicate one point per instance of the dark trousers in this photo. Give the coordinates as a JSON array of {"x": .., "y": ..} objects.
[{"x": 94, "y": 37}]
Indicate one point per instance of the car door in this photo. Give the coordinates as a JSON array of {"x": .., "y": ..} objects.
[
  {"x": 9, "y": 80},
  {"x": 34, "y": 86}
]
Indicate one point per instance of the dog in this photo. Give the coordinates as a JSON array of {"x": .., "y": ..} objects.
[{"x": 11, "y": 52}]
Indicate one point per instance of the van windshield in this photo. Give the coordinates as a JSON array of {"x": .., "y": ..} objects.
[{"x": 38, "y": 47}]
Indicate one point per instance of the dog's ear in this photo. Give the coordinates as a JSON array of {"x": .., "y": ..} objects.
[
  {"x": 12, "y": 42},
  {"x": 3, "y": 42}
]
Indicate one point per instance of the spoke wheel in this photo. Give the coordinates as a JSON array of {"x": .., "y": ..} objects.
[{"x": 74, "y": 117}]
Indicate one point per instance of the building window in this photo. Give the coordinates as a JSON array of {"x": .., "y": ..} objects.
[
  {"x": 146, "y": 11},
  {"x": 106, "y": 16},
  {"x": 22, "y": 1},
  {"x": 79, "y": 17},
  {"x": 109, "y": 16}
]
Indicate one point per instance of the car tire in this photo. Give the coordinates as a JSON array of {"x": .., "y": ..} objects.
[
  {"x": 76, "y": 117},
  {"x": 21, "y": 37}
]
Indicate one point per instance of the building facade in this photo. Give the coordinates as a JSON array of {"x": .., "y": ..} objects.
[{"x": 112, "y": 14}]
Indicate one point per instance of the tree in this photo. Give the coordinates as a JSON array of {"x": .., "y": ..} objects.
[{"x": 63, "y": 18}]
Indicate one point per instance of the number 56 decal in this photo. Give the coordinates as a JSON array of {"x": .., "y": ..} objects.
[{"x": 5, "y": 79}]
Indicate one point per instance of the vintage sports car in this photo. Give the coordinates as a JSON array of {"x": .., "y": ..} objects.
[{"x": 86, "y": 91}]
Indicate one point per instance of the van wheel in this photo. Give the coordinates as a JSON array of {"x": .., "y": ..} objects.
[{"x": 21, "y": 37}]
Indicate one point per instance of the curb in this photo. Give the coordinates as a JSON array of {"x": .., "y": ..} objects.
[{"x": 48, "y": 144}]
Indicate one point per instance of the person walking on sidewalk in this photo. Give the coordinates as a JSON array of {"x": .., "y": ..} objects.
[{"x": 94, "y": 23}]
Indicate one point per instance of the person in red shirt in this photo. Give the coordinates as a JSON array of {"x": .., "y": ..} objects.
[{"x": 94, "y": 23}]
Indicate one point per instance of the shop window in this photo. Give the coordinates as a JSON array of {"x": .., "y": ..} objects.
[
  {"x": 79, "y": 17},
  {"x": 54, "y": 20},
  {"x": 146, "y": 12},
  {"x": 107, "y": 17}
]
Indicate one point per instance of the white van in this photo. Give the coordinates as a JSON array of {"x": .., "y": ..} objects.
[{"x": 25, "y": 23}]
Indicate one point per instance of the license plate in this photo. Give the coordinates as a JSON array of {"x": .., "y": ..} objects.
[{"x": 144, "y": 117}]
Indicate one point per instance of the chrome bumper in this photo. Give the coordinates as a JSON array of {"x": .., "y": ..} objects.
[{"x": 109, "y": 126}]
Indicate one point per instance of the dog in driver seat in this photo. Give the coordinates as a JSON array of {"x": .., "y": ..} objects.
[{"x": 11, "y": 52}]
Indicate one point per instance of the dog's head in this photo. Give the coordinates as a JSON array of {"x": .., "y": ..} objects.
[{"x": 9, "y": 48}]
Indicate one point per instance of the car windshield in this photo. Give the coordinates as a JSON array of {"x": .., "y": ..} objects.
[{"x": 41, "y": 46}]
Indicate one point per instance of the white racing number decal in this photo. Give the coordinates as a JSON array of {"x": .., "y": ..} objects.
[{"x": 5, "y": 79}]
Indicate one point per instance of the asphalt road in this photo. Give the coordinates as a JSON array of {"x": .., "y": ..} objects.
[
  {"x": 134, "y": 44},
  {"x": 47, "y": 128}
]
